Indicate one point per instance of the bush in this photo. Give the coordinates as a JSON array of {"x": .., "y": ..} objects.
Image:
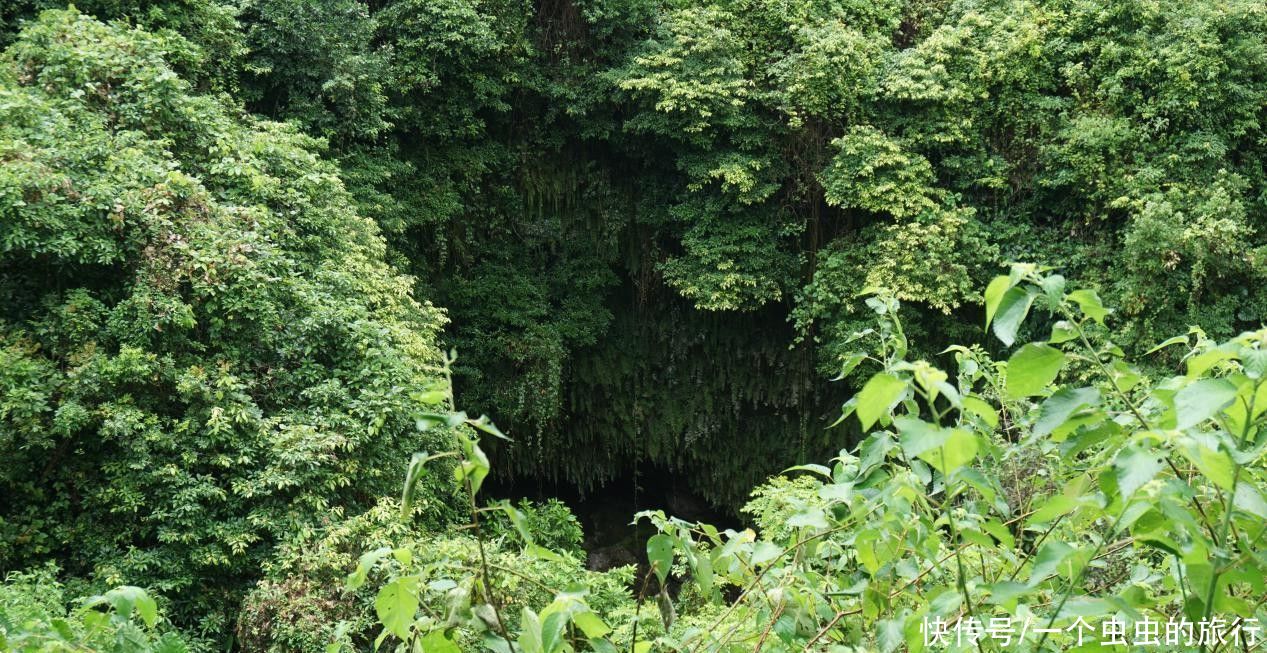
[
  {"x": 549, "y": 523},
  {"x": 302, "y": 604},
  {"x": 34, "y": 617},
  {"x": 201, "y": 347}
]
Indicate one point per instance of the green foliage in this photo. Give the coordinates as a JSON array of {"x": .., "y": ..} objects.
[
  {"x": 452, "y": 592},
  {"x": 201, "y": 347},
  {"x": 550, "y": 524},
  {"x": 1146, "y": 506},
  {"x": 301, "y": 604},
  {"x": 630, "y": 210},
  {"x": 34, "y": 618}
]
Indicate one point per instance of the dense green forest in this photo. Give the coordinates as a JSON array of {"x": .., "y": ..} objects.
[{"x": 952, "y": 311}]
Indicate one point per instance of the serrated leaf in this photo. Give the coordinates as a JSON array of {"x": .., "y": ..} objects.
[
  {"x": 397, "y": 604},
  {"x": 1133, "y": 467},
  {"x": 994, "y": 295},
  {"x": 660, "y": 555},
  {"x": 880, "y": 392},
  {"x": 1201, "y": 400},
  {"x": 1061, "y": 405},
  {"x": 591, "y": 624},
  {"x": 1013, "y": 307},
  {"x": 1032, "y": 368}
]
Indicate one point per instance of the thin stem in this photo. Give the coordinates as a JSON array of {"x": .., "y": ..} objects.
[
  {"x": 475, "y": 522},
  {"x": 1081, "y": 575},
  {"x": 642, "y": 595},
  {"x": 1229, "y": 506}
]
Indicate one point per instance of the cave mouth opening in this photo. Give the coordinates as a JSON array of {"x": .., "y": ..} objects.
[{"x": 606, "y": 512}]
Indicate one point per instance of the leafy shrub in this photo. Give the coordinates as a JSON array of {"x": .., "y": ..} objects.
[
  {"x": 34, "y": 618},
  {"x": 549, "y": 523},
  {"x": 201, "y": 347},
  {"x": 302, "y": 604},
  {"x": 1142, "y": 500},
  {"x": 1143, "y": 504}
]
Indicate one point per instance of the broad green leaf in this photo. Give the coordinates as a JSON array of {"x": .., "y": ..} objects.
[
  {"x": 875, "y": 549},
  {"x": 1167, "y": 343},
  {"x": 1000, "y": 532},
  {"x": 944, "y": 449},
  {"x": 880, "y": 392},
  {"x": 1053, "y": 287},
  {"x": 1013, "y": 307},
  {"x": 397, "y": 604},
  {"x": 541, "y": 553},
  {"x": 1032, "y": 368},
  {"x": 918, "y": 437},
  {"x": 1053, "y": 507},
  {"x": 1051, "y": 559},
  {"x": 1061, "y": 331},
  {"x": 848, "y": 364},
  {"x": 486, "y": 425},
  {"x": 889, "y": 634},
  {"x": 981, "y": 408},
  {"x": 1249, "y": 499},
  {"x": 660, "y": 555},
  {"x": 994, "y": 296},
  {"x": 552, "y": 631},
  {"x": 530, "y": 640},
  {"x": 591, "y": 624},
  {"x": 703, "y": 573},
  {"x": 1255, "y": 362},
  {"x": 1215, "y": 464},
  {"x": 1133, "y": 467},
  {"x": 1061, "y": 405},
  {"x": 1202, "y": 400},
  {"x": 363, "y": 566},
  {"x": 474, "y": 466},
  {"x": 432, "y": 397},
  {"x": 961, "y": 448},
  {"x": 1006, "y": 591},
  {"x": 1089, "y": 302},
  {"x": 1197, "y": 365},
  {"x": 147, "y": 608},
  {"x": 763, "y": 552},
  {"x": 812, "y": 517},
  {"x": 436, "y": 642}
]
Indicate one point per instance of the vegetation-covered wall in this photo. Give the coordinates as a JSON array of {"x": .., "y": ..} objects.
[
  {"x": 226, "y": 227},
  {"x": 561, "y": 174}
]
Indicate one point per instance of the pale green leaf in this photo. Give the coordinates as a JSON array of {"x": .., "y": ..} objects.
[
  {"x": 1013, "y": 307},
  {"x": 1061, "y": 405},
  {"x": 1202, "y": 400},
  {"x": 880, "y": 392},
  {"x": 1032, "y": 368}
]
